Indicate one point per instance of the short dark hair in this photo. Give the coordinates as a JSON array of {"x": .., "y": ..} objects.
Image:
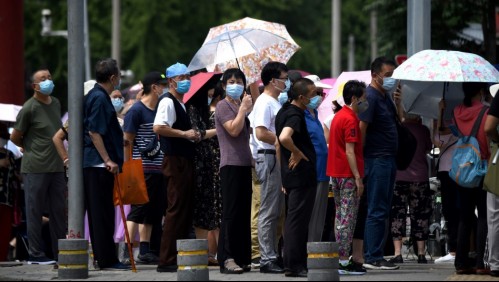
[
  {"x": 378, "y": 63},
  {"x": 353, "y": 88},
  {"x": 300, "y": 88},
  {"x": 37, "y": 71},
  {"x": 272, "y": 70},
  {"x": 106, "y": 68},
  {"x": 471, "y": 90},
  {"x": 235, "y": 72}
]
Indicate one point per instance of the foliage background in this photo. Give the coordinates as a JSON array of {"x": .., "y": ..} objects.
[{"x": 158, "y": 33}]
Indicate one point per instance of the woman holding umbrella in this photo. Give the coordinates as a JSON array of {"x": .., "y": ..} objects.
[{"x": 233, "y": 131}]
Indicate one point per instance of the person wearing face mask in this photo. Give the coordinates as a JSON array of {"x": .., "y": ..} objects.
[
  {"x": 42, "y": 169},
  {"x": 316, "y": 132},
  {"x": 178, "y": 139},
  {"x": 275, "y": 79},
  {"x": 412, "y": 189},
  {"x": 102, "y": 160},
  {"x": 379, "y": 131},
  {"x": 141, "y": 140},
  {"x": 299, "y": 175},
  {"x": 346, "y": 167},
  {"x": 471, "y": 199},
  {"x": 233, "y": 131}
]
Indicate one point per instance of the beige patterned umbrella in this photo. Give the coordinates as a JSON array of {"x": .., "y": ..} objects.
[{"x": 253, "y": 64}]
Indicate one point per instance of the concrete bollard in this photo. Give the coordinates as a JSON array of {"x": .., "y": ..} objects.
[
  {"x": 73, "y": 259},
  {"x": 323, "y": 261},
  {"x": 192, "y": 260}
]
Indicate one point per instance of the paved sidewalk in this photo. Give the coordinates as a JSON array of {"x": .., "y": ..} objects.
[{"x": 408, "y": 272}]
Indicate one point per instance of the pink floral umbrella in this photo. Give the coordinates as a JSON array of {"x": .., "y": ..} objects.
[
  {"x": 253, "y": 64},
  {"x": 431, "y": 75}
]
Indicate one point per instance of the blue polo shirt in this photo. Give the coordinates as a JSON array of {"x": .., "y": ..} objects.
[
  {"x": 100, "y": 117},
  {"x": 316, "y": 132},
  {"x": 381, "y": 136}
]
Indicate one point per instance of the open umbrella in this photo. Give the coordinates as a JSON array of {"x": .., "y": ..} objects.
[
  {"x": 232, "y": 45},
  {"x": 199, "y": 80},
  {"x": 325, "y": 109},
  {"x": 431, "y": 75},
  {"x": 253, "y": 64}
]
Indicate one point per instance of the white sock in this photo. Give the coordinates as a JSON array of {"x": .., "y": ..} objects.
[{"x": 344, "y": 262}]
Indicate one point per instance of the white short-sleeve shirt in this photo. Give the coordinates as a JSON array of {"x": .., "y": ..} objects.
[
  {"x": 166, "y": 114},
  {"x": 264, "y": 113},
  {"x": 328, "y": 121}
]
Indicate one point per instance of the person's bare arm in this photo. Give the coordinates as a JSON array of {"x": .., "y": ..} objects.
[
  {"x": 491, "y": 128},
  {"x": 58, "y": 140},
  {"x": 287, "y": 142},
  {"x": 265, "y": 135},
  {"x": 127, "y": 150},
  {"x": 235, "y": 126},
  {"x": 17, "y": 138},
  {"x": 210, "y": 133},
  {"x": 111, "y": 166},
  {"x": 326, "y": 134},
  {"x": 166, "y": 131},
  {"x": 352, "y": 161}
]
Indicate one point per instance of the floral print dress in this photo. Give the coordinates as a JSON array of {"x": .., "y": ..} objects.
[{"x": 208, "y": 193}]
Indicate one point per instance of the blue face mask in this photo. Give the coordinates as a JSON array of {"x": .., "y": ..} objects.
[
  {"x": 183, "y": 86},
  {"x": 118, "y": 104},
  {"x": 234, "y": 91},
  {"x": 165, "y": 90},
  {"x": 283, "y": 98},
  {"x": 46, "y": 87},
  {"x": 210, "y": 100},
  {"x": 287, "y": 86},
  {"x": 389, "y": 83},
  {"x": 314, "y": 102}
]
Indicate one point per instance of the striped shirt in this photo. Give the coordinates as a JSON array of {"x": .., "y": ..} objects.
[{"x": 139, "y": 121}]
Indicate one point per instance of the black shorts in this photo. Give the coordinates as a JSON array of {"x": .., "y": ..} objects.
[{"x": 152, "y": 212}]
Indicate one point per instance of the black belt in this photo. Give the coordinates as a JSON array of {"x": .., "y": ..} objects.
[{"x": 267, "y": 152}]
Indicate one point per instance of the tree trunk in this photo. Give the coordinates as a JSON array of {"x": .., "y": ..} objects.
[{"x": 489, "y": 30}]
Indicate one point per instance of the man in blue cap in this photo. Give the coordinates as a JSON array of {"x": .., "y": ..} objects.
[{"x": 173, "y": 125}]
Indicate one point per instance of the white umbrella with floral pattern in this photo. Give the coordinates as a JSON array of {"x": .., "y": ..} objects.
[{"x": 252, "y": 64}]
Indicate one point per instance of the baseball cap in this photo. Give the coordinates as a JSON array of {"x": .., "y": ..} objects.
[
  {"x": 493, "y": 89},
  {"x": 154, "y": 77},
  {"x": 317, "y": 81},
  {"x": 176, "y": 70}
]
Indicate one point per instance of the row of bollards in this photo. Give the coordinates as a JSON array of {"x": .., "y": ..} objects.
[{"x": 192, "y": 260}]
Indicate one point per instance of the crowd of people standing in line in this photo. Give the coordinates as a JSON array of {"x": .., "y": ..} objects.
[{"x": 251, "y": 176}]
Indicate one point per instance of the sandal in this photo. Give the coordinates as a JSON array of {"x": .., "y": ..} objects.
[
  {"x": 212, "y": 261},
  {"x": 230, "y": 267}
]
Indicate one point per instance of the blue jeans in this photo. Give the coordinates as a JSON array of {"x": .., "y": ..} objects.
[{"x": 380, "y": 183}]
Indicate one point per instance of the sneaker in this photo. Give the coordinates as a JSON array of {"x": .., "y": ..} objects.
[
  {"x": 446, "y": 259},
  {"x": 117, "y": 267},
  {"x": 148, "y": 258},
  {"x": 352, "y": 268},
  {"x": 41, "y": 261},
  {"x": 398, "y": 259},
  {"x": 381, "y": 265},
  {"x": 255, "y": 263}
]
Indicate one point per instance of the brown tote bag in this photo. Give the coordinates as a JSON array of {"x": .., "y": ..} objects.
[{"x": 132, "y": 183}]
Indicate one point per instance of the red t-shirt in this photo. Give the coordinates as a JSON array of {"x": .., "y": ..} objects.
[{"x": 344, "y": 129}]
